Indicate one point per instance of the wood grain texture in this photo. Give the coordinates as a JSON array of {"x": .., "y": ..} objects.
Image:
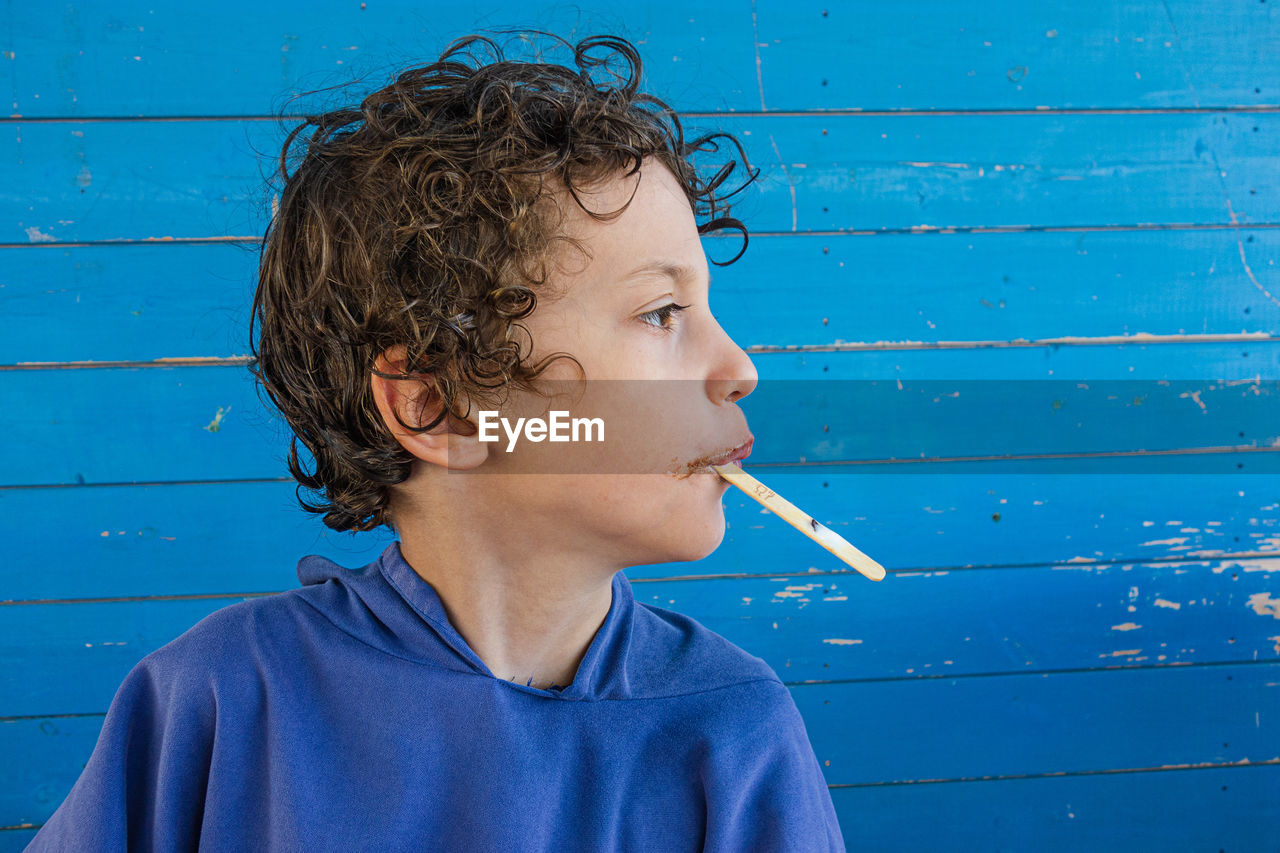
[
  {"x": 142, "y": 302},
  {"x": 83, "y": 181},
  {"x": 138, "y": 59}
]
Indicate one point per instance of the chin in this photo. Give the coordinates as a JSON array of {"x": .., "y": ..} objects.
[
  {"x": 710, "y": 546},
  {"x": 703, "y": 539}
]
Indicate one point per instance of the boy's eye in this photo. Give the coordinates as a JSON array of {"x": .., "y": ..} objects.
[{"x": 661, "y": 317}]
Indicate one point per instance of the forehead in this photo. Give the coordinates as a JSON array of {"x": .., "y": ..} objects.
[{"x": 657, "y": 229}]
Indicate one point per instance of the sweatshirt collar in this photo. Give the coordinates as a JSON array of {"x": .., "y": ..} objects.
[{"x": 602, "y": 666}]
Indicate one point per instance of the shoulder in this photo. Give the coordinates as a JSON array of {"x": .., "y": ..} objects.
[
  {"x": 685, "y": 656},
  {"x": 233, "y": 640}
]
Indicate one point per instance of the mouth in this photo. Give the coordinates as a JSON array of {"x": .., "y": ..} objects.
[{"x": 733, "y": 456}]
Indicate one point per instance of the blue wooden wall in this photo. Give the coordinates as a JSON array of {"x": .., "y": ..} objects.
[{"x": 1047, "y": 232}]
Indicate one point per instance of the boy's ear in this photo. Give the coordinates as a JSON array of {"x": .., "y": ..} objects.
[{"x": 452, "y": 443}]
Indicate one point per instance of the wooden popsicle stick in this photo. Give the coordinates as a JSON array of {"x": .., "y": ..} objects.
[{"x": 801, "y": 520}]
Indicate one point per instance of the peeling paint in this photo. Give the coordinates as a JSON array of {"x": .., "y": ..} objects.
[
  {"x": 849, "y": 346},
  {"x": 216, "y": 424},
  {"x": 1195, "y": 395},
  {"x": 1264, "y": 605},
  {"x": 937, "y": 163},
  {"x": 839, "y": 642},
  {"x": 1173, "y": 605},
  {"x": 1261, "y": 565},
  {"x": 1127, "y": 626}
]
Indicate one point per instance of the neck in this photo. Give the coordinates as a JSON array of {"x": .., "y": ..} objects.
[{"x": 526, "y": 598}]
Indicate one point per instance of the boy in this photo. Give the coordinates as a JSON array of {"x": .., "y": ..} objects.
[{"x": 489, "y": 683}]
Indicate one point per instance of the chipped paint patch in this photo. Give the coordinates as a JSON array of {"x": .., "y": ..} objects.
[
  {"x": 35, "y": 235},
  {"x": 1173, "y": 605},
  {"x": 216, "y": 424},
  {"x": 1195, "y": 395},
  {"x": 937, "y": 163},
  {"x": 1122, "y": 653},
  {"x": 1127, "y": 626},
  {"x": 1263, "y": 565},
  {"x": 839, "y": 642},
  {"x": 1264, "y": 605},
  {"x": 1178, "y": 541}
]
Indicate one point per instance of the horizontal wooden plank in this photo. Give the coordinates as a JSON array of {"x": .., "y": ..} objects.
[
  {"x": 1220, "y": 808},
  {"x": 69, "y": 657},
  {"x": 1077, "y": 358},
  {"x": 776, "y": 55},
  {"x": 143, "y": 541},
  {"x": 85, "y": 181},
  {"x": 866, "y": 733},
  {"x": 975, "y": 621},
  {"x": 208, "y": 423},
  {"x": 122, "y": 634},
  {"x": 970, "y": 728},
  {"x": 139, "y": 302},
  {"x": 1005, "y": 55}
]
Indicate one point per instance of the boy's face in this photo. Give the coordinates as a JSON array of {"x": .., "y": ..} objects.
[{"x": 665, "y": 384}]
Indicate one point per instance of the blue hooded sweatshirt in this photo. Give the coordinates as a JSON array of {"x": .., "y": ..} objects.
[{"x": 349, "y": 714}]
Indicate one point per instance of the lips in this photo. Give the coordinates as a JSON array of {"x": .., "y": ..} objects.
[{"x": 742, "y": 451}]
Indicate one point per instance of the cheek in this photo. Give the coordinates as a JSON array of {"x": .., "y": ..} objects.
[
  {"x": 668, "y": 518},
  {"x": 661, "y": 424}
]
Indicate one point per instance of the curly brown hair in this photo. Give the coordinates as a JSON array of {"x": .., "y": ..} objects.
[{"x": 426, "y": 218}]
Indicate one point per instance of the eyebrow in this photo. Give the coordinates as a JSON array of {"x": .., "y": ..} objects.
[{"x": 679, "y": 272}]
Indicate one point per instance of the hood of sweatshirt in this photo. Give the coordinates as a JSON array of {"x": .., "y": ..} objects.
[{"x": 386, "y": 604}]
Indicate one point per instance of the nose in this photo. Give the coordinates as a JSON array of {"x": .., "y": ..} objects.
[{"x": 733, "y": 375}]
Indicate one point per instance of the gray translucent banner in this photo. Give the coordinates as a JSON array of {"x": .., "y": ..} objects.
[{"x": 676, "y": 427}]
